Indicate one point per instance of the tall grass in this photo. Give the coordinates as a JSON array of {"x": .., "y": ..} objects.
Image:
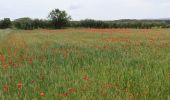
[{"x": 83, "y": 64}]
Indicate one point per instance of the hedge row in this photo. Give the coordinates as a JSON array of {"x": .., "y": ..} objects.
[
  {"x": 88, "y": 23},
  {"x": 28, "y": 24}
]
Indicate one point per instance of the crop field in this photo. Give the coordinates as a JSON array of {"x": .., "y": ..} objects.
[{"x": 85, "y": 64}]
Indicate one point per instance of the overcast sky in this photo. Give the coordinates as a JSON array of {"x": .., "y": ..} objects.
[{"x": 81, "y": 9}]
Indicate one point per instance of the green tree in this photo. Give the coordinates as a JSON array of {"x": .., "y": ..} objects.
[
  {"x": 5, "y": 23},
  {"x": 59, "y": 19},
  {"x": 24, "y": 23}
]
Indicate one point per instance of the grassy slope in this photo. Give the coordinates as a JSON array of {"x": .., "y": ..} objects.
[{"x": 85, "y": 64}]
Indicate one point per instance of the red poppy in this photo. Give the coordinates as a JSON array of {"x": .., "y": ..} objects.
[
  {"x": 5, "y": 87},
  {"x": 19, "y": 88},
  {"x": 42, "y": 94},
  {"x": 19, "y": 84},
  {"x": 65, "y": 94},
  {"x": 71, "y": 90},
  {"x": 86, "y": 78}
]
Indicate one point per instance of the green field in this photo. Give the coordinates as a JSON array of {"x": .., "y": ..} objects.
[{"x": 85, "y": 64}]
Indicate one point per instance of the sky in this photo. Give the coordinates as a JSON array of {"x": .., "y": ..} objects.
[{"x": 82, "y": 9}]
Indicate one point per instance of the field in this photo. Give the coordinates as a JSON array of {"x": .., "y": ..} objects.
[{"x": 85, "y": 64}]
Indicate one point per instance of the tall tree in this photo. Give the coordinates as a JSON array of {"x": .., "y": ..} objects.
[{"x": 59, "y": 19}]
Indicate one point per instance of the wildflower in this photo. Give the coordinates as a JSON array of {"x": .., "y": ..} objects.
[
  {"x": 6, "y": 87},
  {"x": 42, "y": 94},
  {"x": 11, "y": 63},
  {"x": 65, "y": 94},
  {"x": 19, "y": 88},
  {"x": 30, "y": 61},
  {"x": 71, "y": 90},
  {"x": 86, "y": 78},
  {"x": 19, "y": 84}
]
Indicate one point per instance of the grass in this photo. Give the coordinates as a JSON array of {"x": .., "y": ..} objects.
[{"x": 85, "y": 64}]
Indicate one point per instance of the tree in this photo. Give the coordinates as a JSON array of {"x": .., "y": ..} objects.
[
  {"x": 59, "y": 19},
  {"x": 24, "y": 23},
  {"x": 40, "y": 23},
  {"x": 5, "y": 23}
]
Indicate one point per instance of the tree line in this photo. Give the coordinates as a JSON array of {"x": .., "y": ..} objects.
[
  {"x": 138, "y": 24},
  {"x": 58, "y": 19}
]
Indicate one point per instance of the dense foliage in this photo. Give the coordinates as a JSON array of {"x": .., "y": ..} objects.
[
  {"x": 24, "y": 23},
  {"x": 28, "y": 23},
  {"x": 5, "y": 23},
  {"x": 60, "y": 19},
  {"x": 89, "y": 23}
]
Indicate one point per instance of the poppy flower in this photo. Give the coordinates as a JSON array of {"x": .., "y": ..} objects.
[
  {"x": 19, "y": 88},
  {"x": 71, "y": 90},
  {"x": 86, "y": 78},
  {"x": 65, "y": 94},
  {"x": 19, "y": 84},
  {"x": 42, "y": 94},
  {"x": 5, "y": 87}
]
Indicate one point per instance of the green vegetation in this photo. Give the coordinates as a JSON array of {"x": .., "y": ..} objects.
[
  {"x": 5, "y": 23},
  {"x": 59, "y": 19},
  {"x": 85, "y": 64},
  {"x": 58, "y": 23},
  {"x": 137, "y": 24}
]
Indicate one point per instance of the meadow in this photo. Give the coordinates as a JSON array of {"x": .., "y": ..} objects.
[{"x": 85, "y": 64}]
